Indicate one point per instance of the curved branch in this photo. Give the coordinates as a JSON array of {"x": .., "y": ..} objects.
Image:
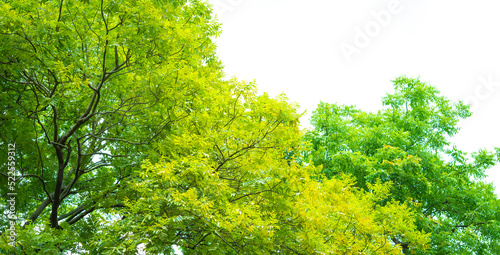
[{"x": 43, "y": 184}]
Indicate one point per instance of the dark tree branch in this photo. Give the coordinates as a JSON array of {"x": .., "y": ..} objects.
[
  {"x": 256, "y": 193},
  {"x": 469, "y": 225},
  {"x": 56, "y": 201},
  {"x": 224, "y": 240},
  {"x": 79, "y": 217},
  {"x": 43, "y": 184}
]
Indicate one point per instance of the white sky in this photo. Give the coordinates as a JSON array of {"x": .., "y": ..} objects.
[{"x": 296, "y": 47}]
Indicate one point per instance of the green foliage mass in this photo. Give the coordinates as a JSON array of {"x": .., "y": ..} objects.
[
  {"x": 128, "y": 136},
  {"x": 406, "y": 144}
]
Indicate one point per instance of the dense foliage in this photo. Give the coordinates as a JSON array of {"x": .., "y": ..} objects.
[
  {"x": 226, "y": 184},
  {"x": 407, "y": 145},
  {"x": 128, "y": 137}
]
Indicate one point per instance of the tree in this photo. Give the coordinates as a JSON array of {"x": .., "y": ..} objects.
[
  {"x": 127, "y": 134},
  {"x": 87, "y": 88},
  {"x": 225, "y": 185},
  {"x": 407, "y": 145}
]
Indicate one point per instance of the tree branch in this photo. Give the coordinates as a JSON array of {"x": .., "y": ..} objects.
[{"x": 43, "y": 183}]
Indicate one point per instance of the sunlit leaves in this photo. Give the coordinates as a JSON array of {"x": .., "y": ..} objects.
[
  {"x": 111, "y": 78},
  {"x": 123, "y": 104},
  {"x": 224, "y": 181}
]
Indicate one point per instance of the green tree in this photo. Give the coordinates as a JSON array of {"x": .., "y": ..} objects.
[
  {"x": 87, "y": 88},
  {"x": 406, "y": 144},
  {"x": 127, "y": 134},
  {"x": 224, "y": 185}
]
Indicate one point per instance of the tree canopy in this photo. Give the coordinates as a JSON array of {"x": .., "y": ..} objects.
[
  {"x": 128, "y": 136},
  {"x": 406, "y": 144}
]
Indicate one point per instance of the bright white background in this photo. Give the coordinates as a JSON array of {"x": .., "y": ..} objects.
[{"x": 348, "y": 52}]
